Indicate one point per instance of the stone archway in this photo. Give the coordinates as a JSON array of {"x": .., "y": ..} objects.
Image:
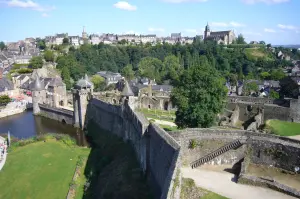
[
  {"x": 61, "y": 103},
  {"x": 114, "y": 101}
]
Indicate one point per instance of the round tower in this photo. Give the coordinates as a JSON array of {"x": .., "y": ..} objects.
[
  {"x": 82, "y": 93},
  {"x": 37, "y": 95},
  {"x": 128, "y": 95}
]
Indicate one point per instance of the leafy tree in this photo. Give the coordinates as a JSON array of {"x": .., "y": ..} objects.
[
  {"x": 127, "y": 72},
  {"x": 262, "y": 42},
  {"x": 274, "y": 94},
  {"x": 199, "y": 96},
  {"x": 41, "y": 44},
  {"x": 250, "y": 87},
  {"x": 72, "y": 49},
  {"x": 150, "y": 67},
  {"x": 2, "y": 45},
  {"x": 66, "y": 41},
  {"x": 65, "y": 75},
  {"x": 289, "y": 88},
  {"x": 24, "y": 70},
  {"x": 98, "y": 81},
  {"x": 265, "y": 75},
  {"x": 49, "y": 56},
  {"x": 277, "y": 74},
  {"x": 240, "y": 39},
  {"x": 36, "y": 62},
  {"x": 269, "y": 45},
  {"x": 4, "y": 99},
  {"x": 171, "y": 68}
]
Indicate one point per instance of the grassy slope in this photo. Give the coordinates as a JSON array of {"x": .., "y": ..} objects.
[
  {"x": 283, "y": 128},
  {"x": 190, "y": 191},
  {"x": 255, "y": 53},
  {"x": 39, "y": 170}
]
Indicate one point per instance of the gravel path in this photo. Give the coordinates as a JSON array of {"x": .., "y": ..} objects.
[{"x": 220, "y": 182}]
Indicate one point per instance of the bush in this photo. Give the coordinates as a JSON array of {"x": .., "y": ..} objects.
[{"x": 193, "y": 144}]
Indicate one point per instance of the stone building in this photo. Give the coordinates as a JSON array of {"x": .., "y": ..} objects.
[
  {"x": 110, "y": 77},
  {"x": 74, "y": 40},
  {"x": 221, "y": 37}
]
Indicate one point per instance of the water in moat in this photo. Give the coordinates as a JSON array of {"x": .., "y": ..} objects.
[{"x": 26, "y": 125}]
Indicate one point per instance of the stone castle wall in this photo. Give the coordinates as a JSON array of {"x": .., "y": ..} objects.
[
  {"x": 265, "y": 149},
  {"x": 156, "y": 151}
]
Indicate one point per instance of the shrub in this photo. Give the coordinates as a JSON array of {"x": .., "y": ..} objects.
[{"x": 193, "y": 144}]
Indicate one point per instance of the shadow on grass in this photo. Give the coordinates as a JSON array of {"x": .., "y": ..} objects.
[{"x": 112, "y": 170}]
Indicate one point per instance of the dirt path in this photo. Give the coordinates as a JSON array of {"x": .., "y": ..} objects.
[
  {"x": 220, "y": 182},
  {"x": 163, "y": 122},
  {"x": 296, "y": 137}
]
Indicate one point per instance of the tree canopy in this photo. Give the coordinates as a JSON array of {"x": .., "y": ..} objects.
[
  {"x": 4, "y": 99},
  {"x": 49, "y": 56},
  {"x": 2, "y": 45},
  {"x": 199, "y": 95},
  {"x": 98, "y": 81},
  {"x": 36, "y": 62}
]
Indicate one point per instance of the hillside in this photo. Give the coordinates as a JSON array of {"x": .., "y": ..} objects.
[{"x": 255, "y": 53}]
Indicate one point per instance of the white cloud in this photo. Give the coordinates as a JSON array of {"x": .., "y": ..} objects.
[
  {"x": 123, "y": 5},
  {"x": 45, "y": 15},
  {"x": 29, "y": 5},
  {"x": 269, "y": 30},
  {"x": 230, "y": 24},
  {"x": 184, "y": 1},
  {"x": 288, "y": 27},
  {"x": 265, "y": 1},
  {"x": 156, "y": 30}
]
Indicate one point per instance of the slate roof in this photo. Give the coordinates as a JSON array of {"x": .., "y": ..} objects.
[
  {"x": 127, "y": 90},
  {"x": 84, "y": 83},
  {"x": 165, "y": 88},
  {"x": 5, "y": 84}
]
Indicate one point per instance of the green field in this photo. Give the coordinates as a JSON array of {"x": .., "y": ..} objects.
[
  {"x": 255, "y": 53},
  {"x": 159, "y": 114},
  {"x": 283, "y": 128},
  {"x": 39, "y": 170}
]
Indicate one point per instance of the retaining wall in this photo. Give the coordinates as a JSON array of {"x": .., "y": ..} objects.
[
  {"x": 156, "y": 151},
  {"x": 56, "y": 114}
]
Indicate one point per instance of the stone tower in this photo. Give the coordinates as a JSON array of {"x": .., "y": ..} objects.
[
  {"x": 38, "y": 93},
  {"x": 207, "y": 31},
  {"x": 82, "y": 93},
  {"x": 128, "y": 96},
  {"x": 84, "y": 36}
]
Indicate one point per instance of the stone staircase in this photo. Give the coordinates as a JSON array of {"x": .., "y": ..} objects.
[{"x": 232, "y": 145}]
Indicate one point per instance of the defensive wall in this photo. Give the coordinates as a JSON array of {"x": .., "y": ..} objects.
[
  {"x": 263, "y": 149},
  {"x": 61, "y": 115},
  {"x": 157, "y": 152},
  {"x": 287, "y": 110}
]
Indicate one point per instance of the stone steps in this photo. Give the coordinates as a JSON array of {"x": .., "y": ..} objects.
[{"x": 216, "y": 153}]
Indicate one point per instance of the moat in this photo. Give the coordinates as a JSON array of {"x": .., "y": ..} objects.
[{"x": 26, "y": 125}]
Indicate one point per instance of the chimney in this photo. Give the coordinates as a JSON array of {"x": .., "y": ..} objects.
[{"x": 1, "y": 73}]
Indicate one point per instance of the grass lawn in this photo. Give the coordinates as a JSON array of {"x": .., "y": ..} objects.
[
  {"x": 39, "y": 170},
  {"x": 283, "y": 128},
  {"x": 255, "y": 53},
  {"x": 159, "y": 114}
]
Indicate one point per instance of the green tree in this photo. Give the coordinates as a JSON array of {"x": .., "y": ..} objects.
[
  {"x": 171, "y": 68},
  {"x": 127, "y": 72},
  {"x": 2, "y": 45},
  {"x": 65, "y": 75},
  {"x": 277, "y": 74},
  {"x": 262, "y": 42},
  {"x": 36, "y": 62},
  {"x": 265, "y": 75},
  {"x": 199, "y": 96},
  {"x": 41, "y": 44},
  {"x": 66, "y": 41},
  {"x": 49, "y": 56},
  {"x": 274, "y": 94},
  {"x": 250, "y": 87},
  {"x": 4, "y": 99},
  {"x": 289, "y": 88},
  {"x": 150, "y": 67},
  {"x": 240, "y": 39},
  {"x": 98, "y": 81}
]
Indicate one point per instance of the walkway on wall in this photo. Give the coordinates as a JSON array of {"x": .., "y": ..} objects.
[
  {"x": 220, "y": 183},
  {"x": 232, "y": 145}
]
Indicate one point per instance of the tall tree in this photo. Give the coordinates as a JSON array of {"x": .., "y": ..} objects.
[
  {"x": 36, "y": 62},
  {"x": 171, "y": 68},
  {"x": 49, "y": 56},
  {"x": 98, "y": 81},
  {"x": 240, "y": 39},
  {"x": 66, "y": 41},
  {"x": 127, "y": 72},
  {"x": 2, "y": 45},
  {"x": 199, "y": 96},
  {"x": 65, "y": 75},
  {"x": 150, "y": 67}
]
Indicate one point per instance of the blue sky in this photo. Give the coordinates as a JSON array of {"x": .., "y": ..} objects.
[{"x": 274, "y": 21}]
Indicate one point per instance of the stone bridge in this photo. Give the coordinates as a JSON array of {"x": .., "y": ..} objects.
[{"x": 58, "y": 114}]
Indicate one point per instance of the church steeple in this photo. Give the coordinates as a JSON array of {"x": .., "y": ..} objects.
[{"x": 207, "y": 31}]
